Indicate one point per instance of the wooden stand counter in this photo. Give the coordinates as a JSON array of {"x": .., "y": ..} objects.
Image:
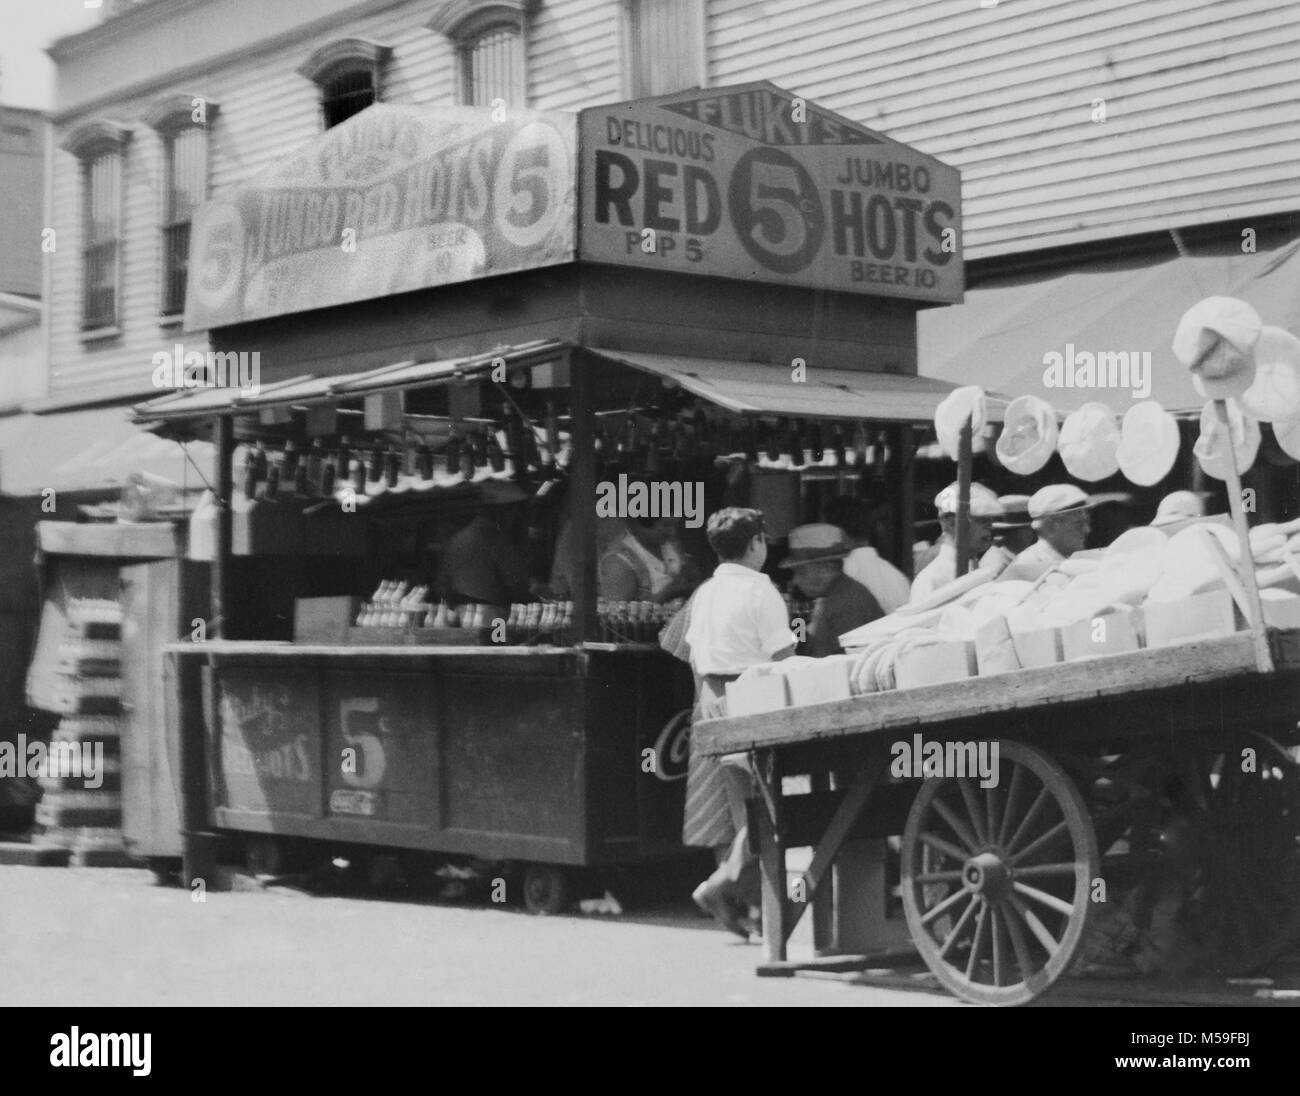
[{"x": 504, "y": 753}]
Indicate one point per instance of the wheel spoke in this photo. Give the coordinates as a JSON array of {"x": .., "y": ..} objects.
[
  {"x": 1042, "y": 841},
  {"x": 945, "y": 905},
  {"x": 973, "y": 809},
  {"x": 1060, "y": 905},
  {"x": 1008, "y": 809},
  {"x": 1018, "y": 942},
  {"x": 957, "y": 928},
  {"x": 953, "y": 876},
  {"x": 955, "y": 824},
  {"x": 999, "y": 948},
  {"x": 973, "y": 961},
  {"x": 945, "y": 847},
  {"x": 1026, "y": 823},
  {"x": 1048, "y": 942},
  {"x": 1047, "y": 869}
]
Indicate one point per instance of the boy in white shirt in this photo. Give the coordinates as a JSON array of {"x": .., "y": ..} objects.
[{"x": 738, "y": 620}]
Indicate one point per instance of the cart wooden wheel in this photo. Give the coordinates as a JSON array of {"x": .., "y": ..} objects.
[
  {"x": 1244, "y": 907},
  {"x": 546, "y": 889},
  {"x": 1200, "y": 851},
  {"x": 996, "y": 880}
]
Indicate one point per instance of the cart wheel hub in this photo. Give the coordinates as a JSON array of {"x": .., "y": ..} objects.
[{"x": 986, "y": 874}]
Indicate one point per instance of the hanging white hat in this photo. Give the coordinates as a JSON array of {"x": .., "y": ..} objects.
[
  {"x": 1212, "y": 446},
  {"x": 1148, "y": 443},
  {"x": 1214, "y": 340},
  {"x": 1274, "y": 394},
  {"x": 1088, "y": 443},
  {"x": 951, "y": 415},
  {"x": 1028, "y": 438}
]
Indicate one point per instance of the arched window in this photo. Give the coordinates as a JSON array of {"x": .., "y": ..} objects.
[
  {"x": 100, "y": 145},
  {"x": 490, "y": 41},
  {"x": 349, "y": 73},
  {"x": 182, "y": 123}
]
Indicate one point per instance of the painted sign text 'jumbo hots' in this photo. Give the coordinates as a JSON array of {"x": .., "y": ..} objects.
[
  {"x": 751, "y": 182},
  {"x": 393, "y": 199}
]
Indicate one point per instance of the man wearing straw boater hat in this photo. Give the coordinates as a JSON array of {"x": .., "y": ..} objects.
[
  {"x": 984, "y": 510},
  {"x": 841, "y": 604},
  {"x": 1060, "y": 515}
]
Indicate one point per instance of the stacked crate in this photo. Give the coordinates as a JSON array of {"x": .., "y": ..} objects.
[{"x": 88, "y": 821}]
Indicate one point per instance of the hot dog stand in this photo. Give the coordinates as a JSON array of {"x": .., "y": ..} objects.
[{"x": 455, "y": 311}]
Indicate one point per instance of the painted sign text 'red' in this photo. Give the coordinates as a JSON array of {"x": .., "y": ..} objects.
[{"x": 752, "y": 183}]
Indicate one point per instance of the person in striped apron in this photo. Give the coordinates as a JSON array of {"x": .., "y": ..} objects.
[{"x": 737, "y": 620}]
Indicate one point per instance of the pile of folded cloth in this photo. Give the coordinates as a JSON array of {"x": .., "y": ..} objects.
[{"x": 1144, "y": 567}]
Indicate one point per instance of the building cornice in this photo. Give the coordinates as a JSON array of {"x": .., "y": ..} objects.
[
  {"x": 343, "y": 52},
  {"x": 460, "y": 19},
  {"x": 176, "y": 110},
  {"x": 93, "y": 135}
]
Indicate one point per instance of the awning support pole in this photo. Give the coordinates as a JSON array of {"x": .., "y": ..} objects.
[
  {"x": 963, "y": 496},
  {"x": 223, "y": 434},
  {"x": 1246, "y": 566},
  {"x": 582, "y": 493}
]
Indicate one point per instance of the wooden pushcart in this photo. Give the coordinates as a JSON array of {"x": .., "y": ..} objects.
[{"x": 1152, "y": 792}]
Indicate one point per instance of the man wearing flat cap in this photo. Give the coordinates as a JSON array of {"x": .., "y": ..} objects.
[
  {"x": 1060, "y": 516},
  {"x": 840, "y": 603},
  {"x": 984, "y": 510}
]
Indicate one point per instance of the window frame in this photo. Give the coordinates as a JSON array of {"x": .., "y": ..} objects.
[
  {"x": 90, "y": 142},
  {"x": 465, "y": 22},
  {"x": 627, "y": 53},
  {"x": 170, "y": 117},
  {"x": 342, "y": 57}
]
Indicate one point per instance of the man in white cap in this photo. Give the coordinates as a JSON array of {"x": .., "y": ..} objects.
[
  {"x": 840, "y": 603},
  {"x": 1178, "y": 508},
  {"x": 1059, "y": 514},
  {"x": 984, "y": 510}
]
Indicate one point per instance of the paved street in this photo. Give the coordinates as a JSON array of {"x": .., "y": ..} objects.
[{"x": 109, "y": 937}]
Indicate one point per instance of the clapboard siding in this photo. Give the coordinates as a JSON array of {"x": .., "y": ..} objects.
[
  {"x": 266, "y": 111},
  {"x": 1202, "y": 117},
  {"x": 573, "y": 54}
]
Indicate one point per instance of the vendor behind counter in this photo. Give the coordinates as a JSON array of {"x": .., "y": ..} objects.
[
  {"x": 816, "y": 560},
  {"x": 483, "y": 564}
]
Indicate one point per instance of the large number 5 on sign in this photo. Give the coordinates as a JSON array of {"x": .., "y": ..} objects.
[
  {"x": 533, "y": 184},
  {"x": 776, "y": 210}
]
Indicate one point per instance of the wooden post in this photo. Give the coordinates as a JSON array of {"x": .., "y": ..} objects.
[
  {"x": 906, "y": 529},
  {"x": 223, "y": 435},
  {"x": 963, "y": 496},
  {"x": 582, "y": 492},
  {"x": 1246, "y": 564}
]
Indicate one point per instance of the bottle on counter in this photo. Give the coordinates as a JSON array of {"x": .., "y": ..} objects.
[
  {"x": 289, "y": 469},
  {"x": 343, "y": 460},
  {"x": 392, "y": 467},
  {"x": 424, "y": 462},
  {"x": 357, "y": 476},
  {"x": 259, "y": 463},
  {"x": 327, "y": 478},
  {"x": 315, "y": 461}
]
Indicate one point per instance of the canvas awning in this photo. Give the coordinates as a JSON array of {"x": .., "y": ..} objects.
[
  {"x": 754, "y": 388},
  {"x": 92, "y": 450},
  {"x": 1001, "y": 335},
  {"x": 309, "y": 390}
]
